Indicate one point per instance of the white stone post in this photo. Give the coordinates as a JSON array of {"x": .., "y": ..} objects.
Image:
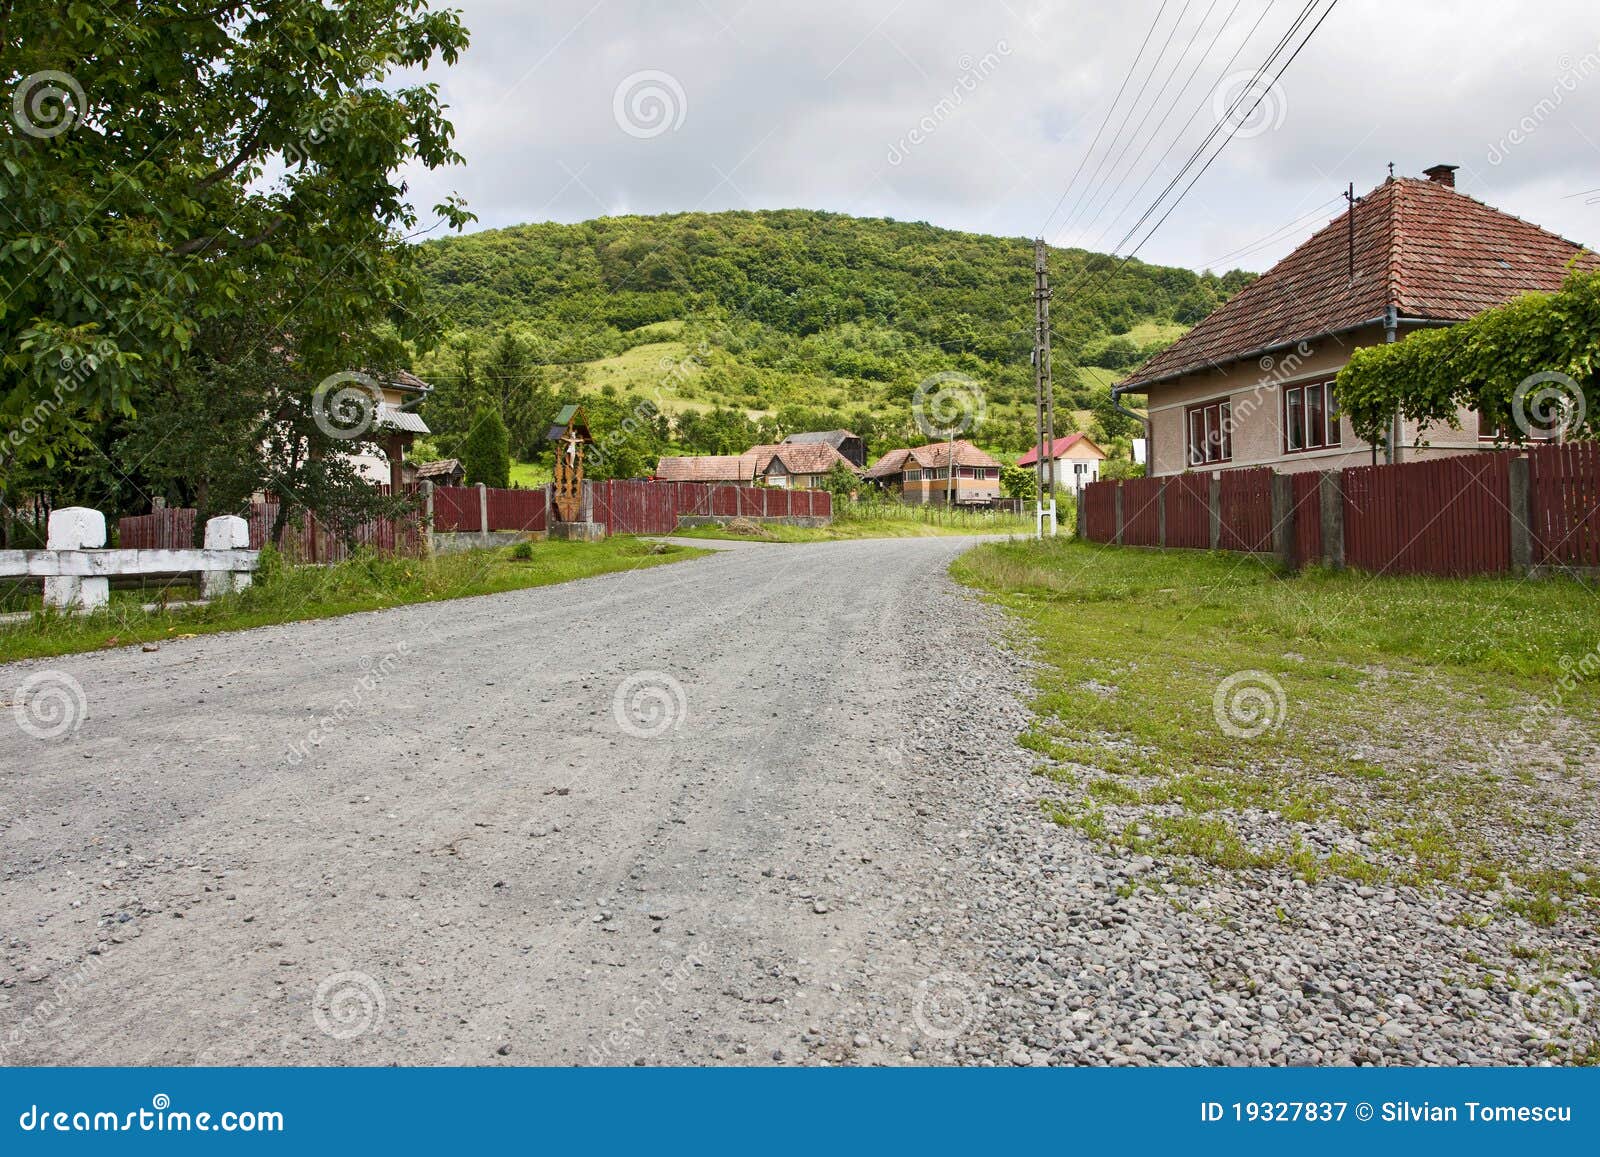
[
  {"x": 483, "y": 508},
  {"x": 225, "y": 532},
  {"x": 76, "y": 528}
]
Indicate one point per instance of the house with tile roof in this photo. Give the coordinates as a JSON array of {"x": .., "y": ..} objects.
[
  {"x": 851, "y": 445},
  {"x": 1077, "y": 461},
  {"x": 921, "y": 474},
  {"x": 1252, "y": 384},
  {"x": 801, "y": 465},
  {"x": 736, "y": 469},
  {"x": 396, "y": 425}
]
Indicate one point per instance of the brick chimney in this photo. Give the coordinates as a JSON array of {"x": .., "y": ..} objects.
[{"x": 1442, "y": 175}]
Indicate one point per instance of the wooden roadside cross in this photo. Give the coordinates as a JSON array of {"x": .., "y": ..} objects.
[{"x": 571, "y": 434}]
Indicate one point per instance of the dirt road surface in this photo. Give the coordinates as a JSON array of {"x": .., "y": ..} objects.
[{"x": 689, "y": 814}]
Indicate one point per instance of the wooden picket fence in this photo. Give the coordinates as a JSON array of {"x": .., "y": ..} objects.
[
  {"x": 172, "y": 528},
  {"x": 629, "y": 507},
  {"x": 1463, "y": 515}
]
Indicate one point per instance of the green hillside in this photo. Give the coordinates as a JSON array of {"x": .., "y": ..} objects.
[{"x": 743, "y": 326}]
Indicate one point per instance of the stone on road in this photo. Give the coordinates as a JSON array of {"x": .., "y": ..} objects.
[{"x": 688, "y": 814}]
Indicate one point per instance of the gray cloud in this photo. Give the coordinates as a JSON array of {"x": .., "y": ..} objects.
[{"x": 975, "y": 115}]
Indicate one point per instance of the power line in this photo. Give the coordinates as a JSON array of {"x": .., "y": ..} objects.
[
  {"x": 1132, "y": 68},
  {"x": 1178, "y": 136},
  {"x": 1275, "y": 235},
  {"x": 1149, "y": 76}
]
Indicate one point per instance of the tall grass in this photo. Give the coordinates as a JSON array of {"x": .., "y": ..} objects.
[{"x": 975, "y": 521}]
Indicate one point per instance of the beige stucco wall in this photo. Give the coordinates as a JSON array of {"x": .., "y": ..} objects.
[{"x": 1254, "y": 390}]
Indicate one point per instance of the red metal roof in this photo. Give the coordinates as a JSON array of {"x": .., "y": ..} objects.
[
  {"x": 1059, "y": 448},
  {"x": 1420, "y": 246}
]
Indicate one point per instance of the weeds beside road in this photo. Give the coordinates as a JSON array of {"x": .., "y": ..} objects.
[
  {"x": 1416, "y": 737},
  {"x": 282, "y": 593}
]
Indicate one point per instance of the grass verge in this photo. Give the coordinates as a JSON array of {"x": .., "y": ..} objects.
[
  {"x": 883, "y": 520},
  {"x": 1393, "y": 731},
  {"x": 283, "y": 593}
]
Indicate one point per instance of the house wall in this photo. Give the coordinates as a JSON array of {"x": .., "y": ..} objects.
[
  {"x": 934, "y": 490},
  {"x": 1254, "y": 390}
]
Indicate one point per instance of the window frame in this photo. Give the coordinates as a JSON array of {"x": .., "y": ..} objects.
[
  {"x": 1320, "y": 428},
  {"x": 1213, "y": 421}
]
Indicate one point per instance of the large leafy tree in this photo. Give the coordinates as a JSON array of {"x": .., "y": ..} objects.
[{"x": 175, "y": 165}]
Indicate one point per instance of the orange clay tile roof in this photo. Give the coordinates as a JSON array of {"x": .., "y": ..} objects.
[
  {"x": 930, "y": 457},
  {"x": 1421, "y": 247},
  {"x": 808, "y": 457},
  {"x": 708, "y": 468}
]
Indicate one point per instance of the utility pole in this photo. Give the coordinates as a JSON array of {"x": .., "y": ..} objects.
[{"x": 1044, "y": 392}]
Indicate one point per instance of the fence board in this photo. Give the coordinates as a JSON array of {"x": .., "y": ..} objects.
[
  {"x": 1246, "y": 507},
  {"x": 1307, "y": 517},
  {"x": 1446, "y": 516},
  {"x": 1141, "y": 512},
  {"x": 455, "y": 508},
  {"x": 1100, "y": 511},
  {"x": 1564, "y": 504}
]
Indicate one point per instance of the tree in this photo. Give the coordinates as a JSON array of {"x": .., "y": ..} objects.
[
  {"x": 841, "y": 481},
  {"x": 509, "y": 385},
  {"x": 486, "y": 452},
  {"x": 176, "y": 165},
  {"x": 1019, "y": 482}
]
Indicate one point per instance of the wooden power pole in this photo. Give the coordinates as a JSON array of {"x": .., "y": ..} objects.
[{"x": 1044, "y": 391}]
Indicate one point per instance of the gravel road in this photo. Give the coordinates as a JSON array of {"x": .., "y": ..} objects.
[
  {"x": 663, "y": 816},
  {"x": 762, "y": 807}
]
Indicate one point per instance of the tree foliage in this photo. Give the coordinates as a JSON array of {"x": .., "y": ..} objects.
[
  {"x": 1495, "y": 363},
  {"x": 486, "y": 452},
  {"x": 180, "y": 171}
]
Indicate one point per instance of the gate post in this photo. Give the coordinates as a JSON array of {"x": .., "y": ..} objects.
[
  {"x": 1330, "y": 495},
  {"x": 76, "y": 528},
  {"x": 1519, "y": 493},
  {"x": 1283, "y": 515},
  {"x": 427, "y": 516},
  {"x": 1117, "y": 537},
  {"x": 225, "y": 532},
  {"x": 483, "y": 508}
]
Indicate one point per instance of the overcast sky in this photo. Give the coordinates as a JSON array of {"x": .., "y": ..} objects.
[{"x": 976, "y": 115}]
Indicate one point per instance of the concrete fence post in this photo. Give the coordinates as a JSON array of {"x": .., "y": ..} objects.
[
  {"x": 76, "y": 528},
  {"x": 427, "y": 517},
  {"x": 1330, "y": 495},
  {"x": 1214, "y": 510},
  {"x": 225, "y": 532},
  {"x": 1161, "y": 515},
  {"x": 483, "y": 508},
  {"x": 1117, "y": 537},
  {"x": 1283, "y": 514},
  {"x": 1520, "y": 496}
]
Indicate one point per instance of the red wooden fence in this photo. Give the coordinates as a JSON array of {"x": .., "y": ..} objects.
[
  {"x": 636, "y": 507},
  {"x": 455, "y": 508},
  {"x": 1307, "y": 515},
  {"x": 655, "y": 507},
  {"x": 1141, "y": 512},
  {"x": 1100, "y": 511},
  {"x": 171, "y": 528},
  {"x": 1564, "y": 504},
  {"x": 1246, "y": 504},
  {"x": 312, "y": 541},
  {"x": 1189, "y": 511},
  {"x": 1448, "y": 516}
]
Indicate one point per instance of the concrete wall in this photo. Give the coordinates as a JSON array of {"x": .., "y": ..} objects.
[{"x": 455, "y": 541}]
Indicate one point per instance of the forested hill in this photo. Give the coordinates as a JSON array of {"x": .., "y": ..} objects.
[{"x": 795, "y": 316}]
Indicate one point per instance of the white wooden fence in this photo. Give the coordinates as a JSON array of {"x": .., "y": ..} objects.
[{"x": 76, "y": 567}]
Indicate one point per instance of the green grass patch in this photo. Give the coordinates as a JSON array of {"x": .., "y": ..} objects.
[
  {"x": 1392, "y": 715},
  {"x": 284, "y": 593}
]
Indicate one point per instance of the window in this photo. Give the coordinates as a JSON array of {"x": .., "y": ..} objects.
[
  {"x": 1310, "y": 418},
  {"x": 914, "y": 475},
  {"x": 1210, "y": 433}
]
